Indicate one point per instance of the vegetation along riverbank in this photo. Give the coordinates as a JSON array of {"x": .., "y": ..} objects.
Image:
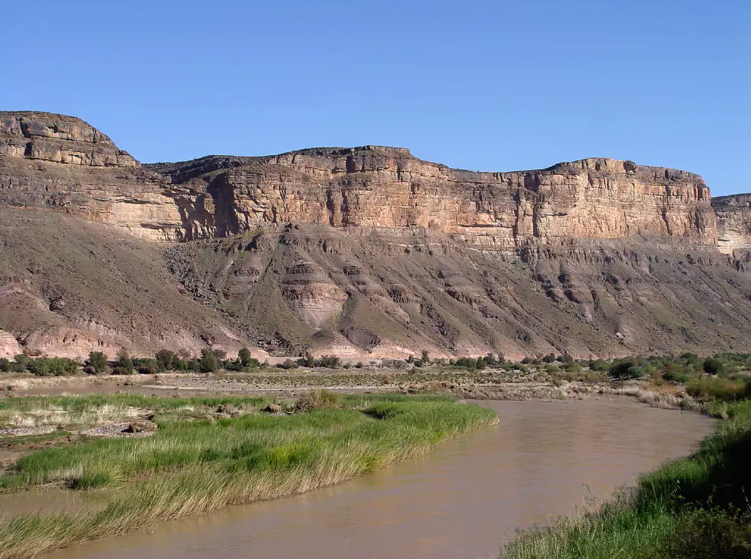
[
  {"x": 698, "y": 507},
  {"x": 194, "y": 455}
]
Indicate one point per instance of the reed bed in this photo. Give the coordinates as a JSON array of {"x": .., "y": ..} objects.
[{"x": 195, "y": 467}]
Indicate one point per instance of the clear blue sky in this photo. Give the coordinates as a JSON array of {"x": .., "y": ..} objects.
[{"x": 491, "y": 86}]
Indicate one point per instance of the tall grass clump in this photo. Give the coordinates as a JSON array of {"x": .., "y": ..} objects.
[{"x": 199, "y": 466}]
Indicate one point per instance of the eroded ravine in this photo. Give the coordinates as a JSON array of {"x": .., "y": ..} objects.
[{"x": 463, "y": 500}]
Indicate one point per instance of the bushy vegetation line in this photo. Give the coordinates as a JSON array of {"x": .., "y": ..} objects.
[
  {"x": 198, "y": 466},
  {"x": 659, "y": 369},
  {"x": 692, "y": 508}
]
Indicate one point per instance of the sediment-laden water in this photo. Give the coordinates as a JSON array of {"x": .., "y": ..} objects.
[{"x": 463, "y": 500}]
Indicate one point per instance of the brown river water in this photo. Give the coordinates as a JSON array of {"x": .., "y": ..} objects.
[{"x": 461, "y": 501}]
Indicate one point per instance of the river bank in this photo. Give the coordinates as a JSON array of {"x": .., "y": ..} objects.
[
  {"x": 697, "y": 507},
  {"x": 195, "y": 465},
  {"x": 462, "y": 500}
]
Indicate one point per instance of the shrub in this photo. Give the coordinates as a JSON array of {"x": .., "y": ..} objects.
[
  {"x": 620, "y": 369},
  {"x": 307, "y": 360},
  {"x": 287, "y": 364},
  {"x": 98, "y": 361},
  {"x": 425, "y": 357},
  {"x": 244, "y": 356},
  {"x": 165, "y": 359},
  {"x": 147, "y": 365},
  {"x": 318, "y": 398},
  {"x": 5, "y": 365},
  {"x": 598, "y": 365},
  {"x": 328, "y": 362},
  {"x": 716, "y": 388},
  {"x": 52, "y": 366},
  {"x": 232, "y": 365},
  {"x": 209, "y": 362},
  {"x": 673, "y": 374},
  {"x": 125, "y": 365},
  {"x": 179, "y": 364},
  {"x": 22, "y": 360},
  {"x": 714, "y": 366}
]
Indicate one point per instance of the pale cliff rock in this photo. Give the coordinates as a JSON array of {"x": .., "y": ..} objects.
[
  {"x": 361, "y": 189},
  {"x": 9, "y": 346},
  {"x": 58, "y": 139},
  {"x": 733, "y": 222},
  {"x": 373, "y": 187},
  {"x": 364, "y": 252}
]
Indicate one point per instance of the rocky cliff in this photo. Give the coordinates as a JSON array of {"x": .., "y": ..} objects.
[
  {"x": 366, "y": 252},
  {"x": 361, "y": 189},
  {"x": 733, "y": 222}
]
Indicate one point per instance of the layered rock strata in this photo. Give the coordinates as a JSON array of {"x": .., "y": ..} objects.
[
  {"x": 364, "y": 252},
  {"x": 361, "y": 189}
]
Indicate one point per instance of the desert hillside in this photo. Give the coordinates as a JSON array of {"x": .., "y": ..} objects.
[{"x": 364, "y": 252}]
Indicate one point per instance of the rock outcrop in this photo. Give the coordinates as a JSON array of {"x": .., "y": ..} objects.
[
  {"x": 361, "y": 189},
  {"x": 733, "y": 222},
  {"x": 364, "y": 252},
  {"x": 58, "y": 139}
]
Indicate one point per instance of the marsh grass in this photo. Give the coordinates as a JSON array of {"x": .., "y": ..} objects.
[
  {"x": 696, "y": 507},
  {"x": 100, "y": 409},
  {"x": 195, "y": 467}
]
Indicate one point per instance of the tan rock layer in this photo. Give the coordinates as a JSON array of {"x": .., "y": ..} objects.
[
  {"x": 733, "y": 222},
  {"x": 362, "y": 189}
]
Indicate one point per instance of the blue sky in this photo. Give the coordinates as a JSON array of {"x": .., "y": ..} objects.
[{"x": 493, "y": 86}]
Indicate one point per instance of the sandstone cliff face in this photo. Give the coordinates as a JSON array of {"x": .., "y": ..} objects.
[
  {"x": 361, "y": 189},
  {"x": 373, "y": 187},
  {"x": 59, "y": 139},
  {"x": 733, "y": 222},
  {"x": 62, "y": 163},
  {"x": 365, "y": 252}
]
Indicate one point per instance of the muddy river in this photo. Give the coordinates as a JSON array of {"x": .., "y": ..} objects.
[{"x": 463, "y": 500}]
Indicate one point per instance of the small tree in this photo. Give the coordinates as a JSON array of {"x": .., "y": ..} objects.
[
  {"x": 165, "y": 359},
  {"x": 125, "y": 364},
  {"x": 148, "y": 366},
  {"x": 425, "y": 357},
  {"x": 98, "y": 361},
  {"x": 209, "y": 362},
  {"x": 713, "y": 366},
  {"x": 244, "y": 355},
  {"x": 5, "y": 365}
]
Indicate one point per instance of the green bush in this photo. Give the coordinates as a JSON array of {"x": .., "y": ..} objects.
[
  {"x": 288, "y": 364},
  {"x": 165, "y": 360},
  {"x": 619, "y": 369},
  {"x": 706, "y": 387},
  {"x": 22, "y": 359},
  {"x": 125, "y": 365},
  {"x": 598, "y": 365},
  {"x": 52, "y": 366},
  {"x": 5, "y": 365},
  {"x": 147, "y": 365},
  {"x": 328, "y": 362},
  {"x": 98, "y": 361},
  {"x": 244, "y": 356},
  {"x": 714, "y": 366},
  {"x": 209, "y": 361}
]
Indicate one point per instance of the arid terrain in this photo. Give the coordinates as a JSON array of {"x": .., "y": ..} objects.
[{"x": 365, "y": 253}]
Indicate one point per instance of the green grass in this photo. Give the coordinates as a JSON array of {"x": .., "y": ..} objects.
[
  {"x": 198, "y": 466},
  {"x": 696, "y": 507}
]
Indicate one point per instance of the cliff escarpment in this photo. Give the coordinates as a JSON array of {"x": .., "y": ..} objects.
[
  {"x": 365, "y": 188},
  {"x": 363, "y": 252}
]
